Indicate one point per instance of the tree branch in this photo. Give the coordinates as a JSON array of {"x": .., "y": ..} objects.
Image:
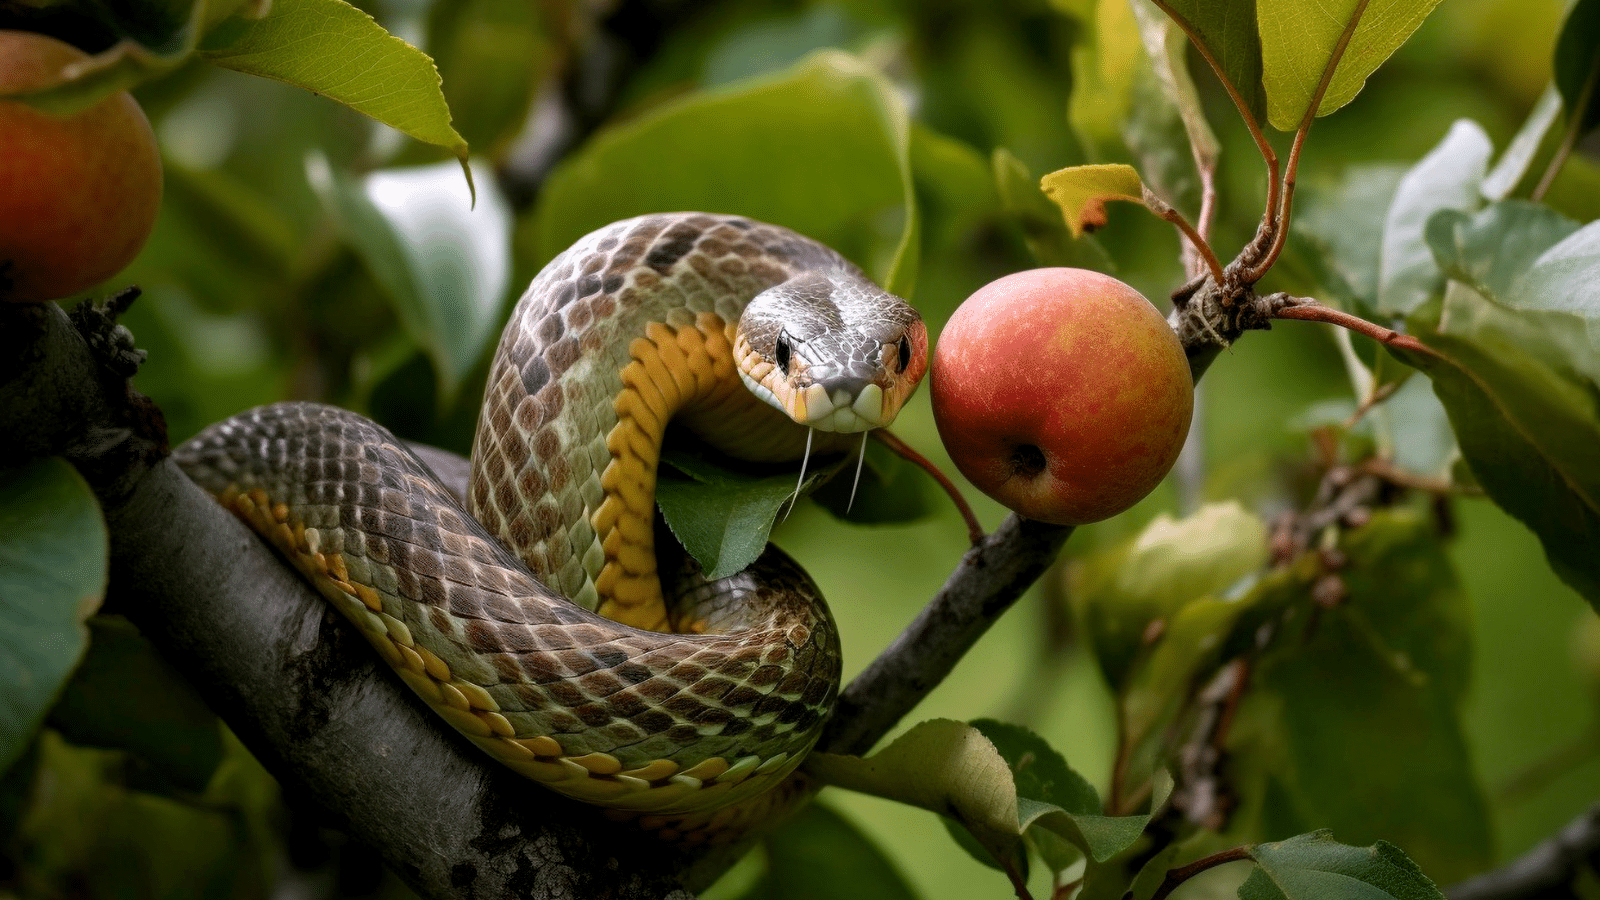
[
  {"x": 1549, "y": 870},
  {"x": 298, "y": 685},
  {"x": 990, "y": 577}
]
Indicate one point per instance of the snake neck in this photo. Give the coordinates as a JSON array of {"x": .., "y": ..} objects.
[
  {"x": 626, "y": 331},
  {"x": 687, "y": 375}
]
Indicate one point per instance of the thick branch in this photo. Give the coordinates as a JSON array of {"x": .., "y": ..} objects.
[
  {"x": 1551, "y": 869},
  {"x": 991, "y": 576},
  {"x": 302, "y": 690}
]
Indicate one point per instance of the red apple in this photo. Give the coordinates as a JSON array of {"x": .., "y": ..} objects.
[
  {"x": 1062, "y": 393},
  {"x": 78, "y": 194}
]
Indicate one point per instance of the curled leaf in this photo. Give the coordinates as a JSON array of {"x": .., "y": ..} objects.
[{"x": 1083, "y": 191}]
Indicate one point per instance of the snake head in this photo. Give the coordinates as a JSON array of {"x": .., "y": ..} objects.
[{"x": 832, "y": 350}]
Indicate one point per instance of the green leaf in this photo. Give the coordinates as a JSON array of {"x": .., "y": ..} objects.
[
  {"x": 1577, "y": 66},
  {"x": 1083, "y": 191},
  {"x": 1447, "y": 178},
  {"x": 1039, "y": 771},
  {"x": 154, "y": 40},
  {"x": 53, "y": 563},
  {"x": 1298, "y": 38},
  {"x": 955, "y": 770},
  {"x": 1167, "y": 128},
  {"x": 1315, "y": 866},
  {"x": 1044, "y": 784},
  {"x": 1518, "y": 155},
  {"x": 1490, "y": 250},
  {"x": 1353, "y": 717},
  {"x": 444, "y": 262},
  {"x": 1170, "y": 564},
  {"x": 1227, "y": 29},
  {"x": 124, "y": 696},
  {"x": 1344, "y": 224},
  {"x": 818, "y": 854},
  {"x": 332, "y": 48},
  {"x": 940, "y": 765},
  {"x": 720, "y": 516},
  {"x": 820, "y": 148},
  {"x": 1520, "y": 373}
]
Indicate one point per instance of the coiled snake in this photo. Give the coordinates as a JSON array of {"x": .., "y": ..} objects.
[{"x": 675, "y": 696}]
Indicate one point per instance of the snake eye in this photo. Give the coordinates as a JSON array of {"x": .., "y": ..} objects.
[
  {"x": 905, "y": 354},
  {"x": 781, "y": 353}
]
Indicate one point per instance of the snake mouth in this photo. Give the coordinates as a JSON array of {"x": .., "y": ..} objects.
[
  {"x": 846, "y": 409},
  {"x": 841, "y": 409}
]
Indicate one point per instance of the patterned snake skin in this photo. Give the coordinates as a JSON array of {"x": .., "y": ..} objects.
[{"x": 487, "y": 614}]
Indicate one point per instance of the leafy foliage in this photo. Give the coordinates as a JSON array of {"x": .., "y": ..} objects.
[
  {"x": 52, "y": 578},
  {"x": 1304, "y": 655},
  {"x": 1313, "y": 865}
]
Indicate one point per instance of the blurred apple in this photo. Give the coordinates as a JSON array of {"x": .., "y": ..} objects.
[
  {"x": 1061, "y": 393},
  {"x": 79, "y": 193}
]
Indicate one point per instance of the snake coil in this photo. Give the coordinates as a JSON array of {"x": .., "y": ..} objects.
[{"x": 536, "y": 620}]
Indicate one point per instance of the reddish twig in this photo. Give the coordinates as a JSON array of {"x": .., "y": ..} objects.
[
  {"x": 975, "y": 530},
  {"x": 1201, "y": 246},
  {"x": 1285, "y": 206},
  {"x": 1268, "y": 155},
  {"x": 1181, "y": 874},
  {"x": 1307, "y": 310}
]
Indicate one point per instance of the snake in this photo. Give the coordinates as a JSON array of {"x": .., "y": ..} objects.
[{"x": 544, "y": 617}]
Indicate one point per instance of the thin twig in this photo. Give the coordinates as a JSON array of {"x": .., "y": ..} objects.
[
  {"x": 1307, "y": 310},
  {"x": 1165, "y": 210},
  {"x": 1181, "y": 874},
  {"x": 1268, "y": 155},
  {"x": 975, "y": 530},
  {"x": 1569, "y": 139},
  {"x": 1285, "y": 206}
]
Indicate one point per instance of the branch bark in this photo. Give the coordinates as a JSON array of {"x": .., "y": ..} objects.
[
  {"x": 298, "y": 686},
  {"x": 1550, "y": 870},
  {"x": 990, "y": 577}
]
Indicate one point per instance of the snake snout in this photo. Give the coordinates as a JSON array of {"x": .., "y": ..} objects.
[{"x": 846, "y": 403}]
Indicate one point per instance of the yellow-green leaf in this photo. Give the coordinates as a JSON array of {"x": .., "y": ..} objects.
[
  {"x": 1082, "y": 192},
  {"x": 334, "y": 49},
  {"x": 1298, "y": 38},
  {"x": 941, "y": 765}
]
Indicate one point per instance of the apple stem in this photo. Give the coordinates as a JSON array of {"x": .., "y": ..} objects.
[
  {"x": 1305, "y": 309},
  {"x": 902, "y": 449}
]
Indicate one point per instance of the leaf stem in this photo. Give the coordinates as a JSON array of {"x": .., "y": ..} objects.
[
  {"x": 1283, "y": 212},
  {"x": 1306, "y": 309},
  {"x": 975, "y": 532},
  {"x": 1268, "y": 155},
  {"x": 1201, "y": 246},
  {"x": 1181, "y": 874}
]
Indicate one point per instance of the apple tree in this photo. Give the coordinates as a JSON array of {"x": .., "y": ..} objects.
[{"x": 1347, "y": 647}]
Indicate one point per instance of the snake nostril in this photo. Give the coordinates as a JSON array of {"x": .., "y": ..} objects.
[{"x": 844, "y": 389}]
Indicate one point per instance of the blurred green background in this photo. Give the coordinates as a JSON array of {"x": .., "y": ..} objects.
[{"x": 259, "y": 286}]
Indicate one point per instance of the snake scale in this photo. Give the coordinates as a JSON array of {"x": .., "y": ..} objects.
[{"x": 536, "y": 620}]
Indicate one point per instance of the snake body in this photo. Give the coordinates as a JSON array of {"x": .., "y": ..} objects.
[{"x": 686, "y": 696}]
